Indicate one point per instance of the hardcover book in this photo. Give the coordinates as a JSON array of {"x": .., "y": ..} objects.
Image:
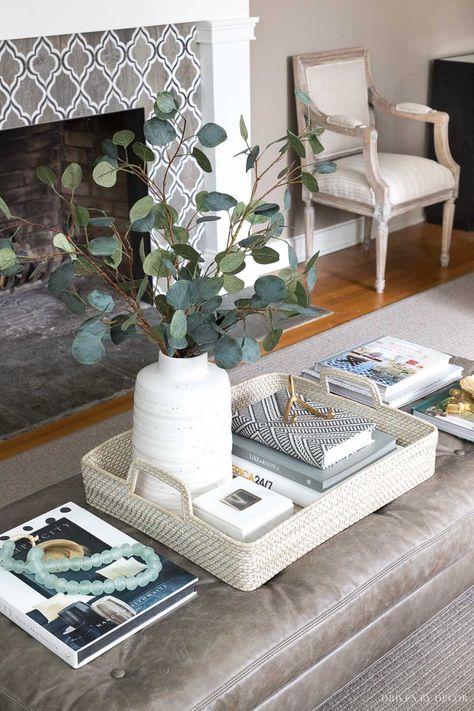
[
  {"x": 80, "y": 627},
  {"x": 318, "y": 441},
  {"x": 272, "y": 461},
  {"x": 433, "y": 410},
  {"x": 393, "y": 364}
]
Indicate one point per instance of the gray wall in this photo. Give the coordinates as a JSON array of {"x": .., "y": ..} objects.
[{"x": 401, "y": 35}]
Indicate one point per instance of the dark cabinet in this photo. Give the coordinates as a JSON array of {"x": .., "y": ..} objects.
[{"x": 452, "y": 90}]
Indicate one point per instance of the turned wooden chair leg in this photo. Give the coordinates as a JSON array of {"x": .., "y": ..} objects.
[
  {"x": 308, "y": 226},
  {"x": 380, "y": 231},
  {"x": 448, "y": 217},
  {"x": 367, "y": 233}
]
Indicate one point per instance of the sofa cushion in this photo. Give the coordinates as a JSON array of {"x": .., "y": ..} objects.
[
  {"x": 232, "y": 650},
  {"x": 407, "y": 178}
]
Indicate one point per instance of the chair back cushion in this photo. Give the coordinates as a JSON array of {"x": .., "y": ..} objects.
[{"x": 339, "y": 87}]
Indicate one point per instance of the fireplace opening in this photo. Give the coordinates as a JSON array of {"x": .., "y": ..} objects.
[{"x": 24, "y": 149}]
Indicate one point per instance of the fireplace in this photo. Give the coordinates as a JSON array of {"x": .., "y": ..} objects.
[{"x": 56, "y": 145}]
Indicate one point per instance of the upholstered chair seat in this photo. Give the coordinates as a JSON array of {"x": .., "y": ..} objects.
[
  {"x": 341, "y": 99},
  {"x": 407, "y": 178}
]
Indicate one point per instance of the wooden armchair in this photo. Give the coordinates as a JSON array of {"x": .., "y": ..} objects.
[{"x": 376, "y": 185}]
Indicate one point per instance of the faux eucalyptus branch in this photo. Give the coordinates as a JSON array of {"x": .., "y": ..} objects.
[{"x": 182, "y": 287}]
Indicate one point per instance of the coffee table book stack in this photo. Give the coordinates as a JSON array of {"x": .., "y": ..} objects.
[
  {"x": 110, "y": 474},
  {"x": 80, "y": 626},
  {"x": 402, "y": 371}
]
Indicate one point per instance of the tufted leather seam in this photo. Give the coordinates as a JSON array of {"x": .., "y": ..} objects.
[
  {"x": 312, "y": 666},
  {"x": 313, "y": 623},
  {"x": 5, "y": 693}
]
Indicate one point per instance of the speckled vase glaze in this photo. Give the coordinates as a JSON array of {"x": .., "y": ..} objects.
[{"x": 182, "y": 423}]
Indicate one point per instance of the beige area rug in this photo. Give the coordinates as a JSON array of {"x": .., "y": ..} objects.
[
  {"x": 432, "y": 669},
  {"x": 442, "y": 318}
]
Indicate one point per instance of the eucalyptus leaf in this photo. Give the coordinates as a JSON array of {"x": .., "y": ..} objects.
[
  {"x": 267, "y": 209},
  {"x": 287, "y": 199},
  {"x": 8, "y": 258},
  {"x": 101, "y": 221},
  {"x": 82, "y": 216},
  {"x": 207, "y": 218},
  {"x": 164, "y": 214},
  {"x": 145, "y": 224},
  {"x": 101, "y": 301},
  {"x": 311, "y": 262},
  {"x": 123, "y": 138},
  {"x": 104, "y": 174},
  {"x": 73, "y": 301},
  {"x": 186, "y": 251},
  {"x": 202, "y": 160},
  {"x": 109, "y": 148},
  {"x": 310, "y": 182},
  {"x": 166, "y": 105},
  {"x": 250, "y": 350},
  {"x": 143, "y": 152},
  {"x": 231, "y": 262},
  {"x": 211, "y": 135},
  {"x": 232, "y": 284},
  {"x": 46, "y": 175},
  {"x": 215, "y": 201},
  {"x": 303, "y": 97},
  {"x": 116, "y": 258},
  {"x": 178, "y": 325},
  {"x": 5, "y": 209},
  {"x": 298, "y": 310},
  {"x": 315, "y": 143},
  {"x": 153, "y": 262},
  {"x": 205, "y": 288},
  {"x": 296, "y": 144},
  {"x": 265, "y": 255},
  {"x": 61, "y": 278},
  {"x": 103, "y": 246},
  {"x": 271, "y": 289},
  {"x": 227, "y": 352},
  {"x": 325, "y": 167},
  {"x": 292, "y": 257},
  {"x": 72, "y": 177},
  {"x": 180, "y": 294},
  {"x": 60, "y": 241},
  {"x": 272, "y": 339},
  {"x": 87, "y": 348},
  {"x": 158, "y": 132},
  {"x": 117, "y": 334},
  {"x": 311, "y": 278},
  {"x": 141, "y": 208},
  {"x": 251, "y": 158},
  {"x": 144, "y": 284},
  {"x": 243, "y": 129}
]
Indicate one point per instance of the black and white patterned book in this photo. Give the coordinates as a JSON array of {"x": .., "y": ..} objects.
[{"x": 317, "y": 441}]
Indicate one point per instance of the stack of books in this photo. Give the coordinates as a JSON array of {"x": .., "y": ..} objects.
[
  {"x": 403, "y": 371},
  {"x": 306, "y": 459}
]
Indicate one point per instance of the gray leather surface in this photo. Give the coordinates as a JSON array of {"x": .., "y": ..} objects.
[{"x": 288, "y": 645}]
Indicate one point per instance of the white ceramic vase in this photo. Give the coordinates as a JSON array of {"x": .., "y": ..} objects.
[{"x": 182, "y": 423}]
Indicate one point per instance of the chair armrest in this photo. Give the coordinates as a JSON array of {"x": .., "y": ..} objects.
[
  {"x": 346, "y": 125},
  {"x": 345, "y": 121}
]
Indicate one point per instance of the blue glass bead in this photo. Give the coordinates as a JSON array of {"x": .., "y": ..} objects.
[
  {"x": 85, "y": 587},
  {"x": 51, "y": 565},
  {"x": 109, "y": 587},
  {"x": 154, "y": 573},
  {"x": 143, "y": 578},
  {"x": 131, "y": 584},
  {"x": 107, "y": 557},
  {"x": 86, "y": 564},
  {"x": 126, "y": 549},
  {"x": 35, "y": 566},
  {"x": 75, "y": 563},
  {"x": 51, "y": 580},
  {"x": 116, "y": 552},
  {"x": 97, "y": 587},
  {"x": 61, "y": 585},
  {"x": 18, "y": 566},
  {"x": 96, "y": 560},
  {"x": 41, "y": 578},
  {"x": 7, "y": 564},
  {"x": 120, "y": 583},
  {"x": 72, "y": 587},
  {"x": 8, "y": 548},
  {"x": 147, "y": 552},
  {"x": 62, "y": 565},
  {"x": 35, "y": 554},
  {"x": 137, "y": 549}
]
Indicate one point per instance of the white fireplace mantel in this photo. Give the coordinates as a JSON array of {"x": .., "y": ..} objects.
[{"x": 30, "y": 18}]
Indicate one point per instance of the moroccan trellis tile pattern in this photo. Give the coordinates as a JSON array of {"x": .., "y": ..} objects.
[{"x": 69, "y": 76}]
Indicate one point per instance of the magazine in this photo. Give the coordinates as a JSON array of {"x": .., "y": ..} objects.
[{"x": 80, "y": 627}]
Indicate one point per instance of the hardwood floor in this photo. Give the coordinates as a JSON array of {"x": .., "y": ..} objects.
[{"x": 345, "y": 285}]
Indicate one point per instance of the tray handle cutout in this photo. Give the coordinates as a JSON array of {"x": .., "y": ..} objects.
[
  {"x": 139, "y": 466},
  {"x": 327, "y": 373}
]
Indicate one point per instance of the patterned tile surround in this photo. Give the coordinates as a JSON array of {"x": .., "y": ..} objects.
[{"x": 69, "y": 76}]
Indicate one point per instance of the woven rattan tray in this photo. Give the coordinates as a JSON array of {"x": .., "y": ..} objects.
[{"x": 110, "y": 475}]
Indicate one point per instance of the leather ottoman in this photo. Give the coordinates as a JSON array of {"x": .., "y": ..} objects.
[{"x": 288, "y": 645}]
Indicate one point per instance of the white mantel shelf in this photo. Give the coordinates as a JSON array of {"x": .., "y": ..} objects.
[{"x": 30, "y": 18}]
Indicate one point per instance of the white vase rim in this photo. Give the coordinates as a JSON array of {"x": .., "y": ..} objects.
[{"x": 197, "y": 364}]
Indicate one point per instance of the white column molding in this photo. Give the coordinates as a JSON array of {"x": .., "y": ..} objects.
[{"x": 225, "y": 87}]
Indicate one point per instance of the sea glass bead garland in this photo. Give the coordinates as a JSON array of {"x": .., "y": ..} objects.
[{"x": 45, "y": 570}]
